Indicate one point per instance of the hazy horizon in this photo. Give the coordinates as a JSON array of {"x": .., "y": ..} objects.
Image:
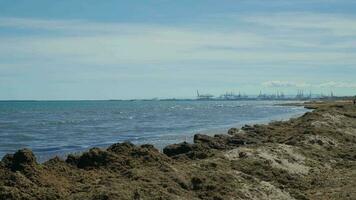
[{"x": 90, "y": 50}]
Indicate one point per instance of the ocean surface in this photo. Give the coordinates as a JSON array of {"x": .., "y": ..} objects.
[{"x": 60, "y": 127}]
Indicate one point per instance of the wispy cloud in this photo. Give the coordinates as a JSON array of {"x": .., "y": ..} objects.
[
  {"x": 336, "y": 24},
  {"x": 291, "y": 84},
  {"x": 281, "y": 84},
  {"x": 77, "y": 41},
  {"x": 333, "y": 84},
  {"x": 273, "y": 44}
]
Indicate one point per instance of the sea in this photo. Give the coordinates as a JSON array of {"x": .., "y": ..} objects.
[{"x": 57, "y": 128}]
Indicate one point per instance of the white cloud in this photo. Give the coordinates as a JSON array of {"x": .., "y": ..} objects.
[
  {"x": 333, "y": 84},
  {"x": 84, "y": 42},
  {"x": 277, "y": 83},
  {"x": 291, "y": 84},
  {"x": 340, "y": 25},
  {"x": 117, "y": 43}
]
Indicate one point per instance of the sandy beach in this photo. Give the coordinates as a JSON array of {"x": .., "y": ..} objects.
[{"x": 310, "y": 157}]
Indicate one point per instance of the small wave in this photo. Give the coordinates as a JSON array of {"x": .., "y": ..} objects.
[{"x": 50, "y": 131}]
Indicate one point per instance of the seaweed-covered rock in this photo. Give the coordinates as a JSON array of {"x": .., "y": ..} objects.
[
  {"x": 7, "y": 160},
  {"x": 121, "y": 148},
  {"x": 217, "y": 142},
  {"x": 234, "y": 141},
  {"x": 95, "y": 157},
  {"x": 149, "y": 147},
  {"x": 72, "y": 159},
  {"x": 21, "y": 160},
  {"x": 186, "y": 150},
  {"x": 200, "y": 138},
  {"x": 233, "y": 131},
  {"x": 176, "y": 149}
]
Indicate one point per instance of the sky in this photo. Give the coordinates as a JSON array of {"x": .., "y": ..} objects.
[{"x": 113, "y": 49}]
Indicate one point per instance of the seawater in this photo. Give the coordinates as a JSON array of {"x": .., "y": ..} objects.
[{"x": 60, "y": 127}]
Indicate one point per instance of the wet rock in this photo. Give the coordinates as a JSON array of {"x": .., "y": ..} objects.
[{"x": 176, "y": 149}]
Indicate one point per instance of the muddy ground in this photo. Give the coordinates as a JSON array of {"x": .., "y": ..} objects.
[{"x": 310, "y": 157}]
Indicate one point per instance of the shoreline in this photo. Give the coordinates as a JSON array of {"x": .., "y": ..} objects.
[
  {"x": 300, "y": 158},
  {"x": 223, "y": 129},
  {"x": 189, "y": 136},
  {"x": 160, "y": 139}
]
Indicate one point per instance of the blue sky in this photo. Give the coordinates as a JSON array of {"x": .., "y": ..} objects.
[{"x": 88, "y": 49}]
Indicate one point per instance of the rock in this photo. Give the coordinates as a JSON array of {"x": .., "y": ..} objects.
[
  {"x": 200, "y": 154},
  {"x": 176, "y": 149},
  {"x": 7, "y": 160},
  {"x": 197, "y": 183},
  {"x": 218, "y": 142},
  {"x": 232, "y": 131},
  {"x": 94, "y": 158},
  {"x": 319, "y": 142},
  {"x": 22, "y": 159},
  {"x": 149, "y": 147},
  {"x": 222, "y": 136},
  {"x": 72, "y": 159},
  {"x": 200, "y": 138},
  {"x": 242, "y": 154},
  {"x": 291, "y": 141},
  {"x": 147, "y": 152},
  {"x": 124, "y": 147},
  {"x": 236, "y": 141},
  {"x": 247, "y": 128}
]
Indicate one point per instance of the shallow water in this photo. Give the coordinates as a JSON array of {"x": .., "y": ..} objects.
[{"x": 59, "y": 127}]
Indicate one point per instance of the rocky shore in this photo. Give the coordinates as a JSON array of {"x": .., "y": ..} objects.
[{"x": 310, "y": 157}]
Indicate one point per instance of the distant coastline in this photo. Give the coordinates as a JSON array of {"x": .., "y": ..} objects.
[{"x": 194, "y": 99}]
